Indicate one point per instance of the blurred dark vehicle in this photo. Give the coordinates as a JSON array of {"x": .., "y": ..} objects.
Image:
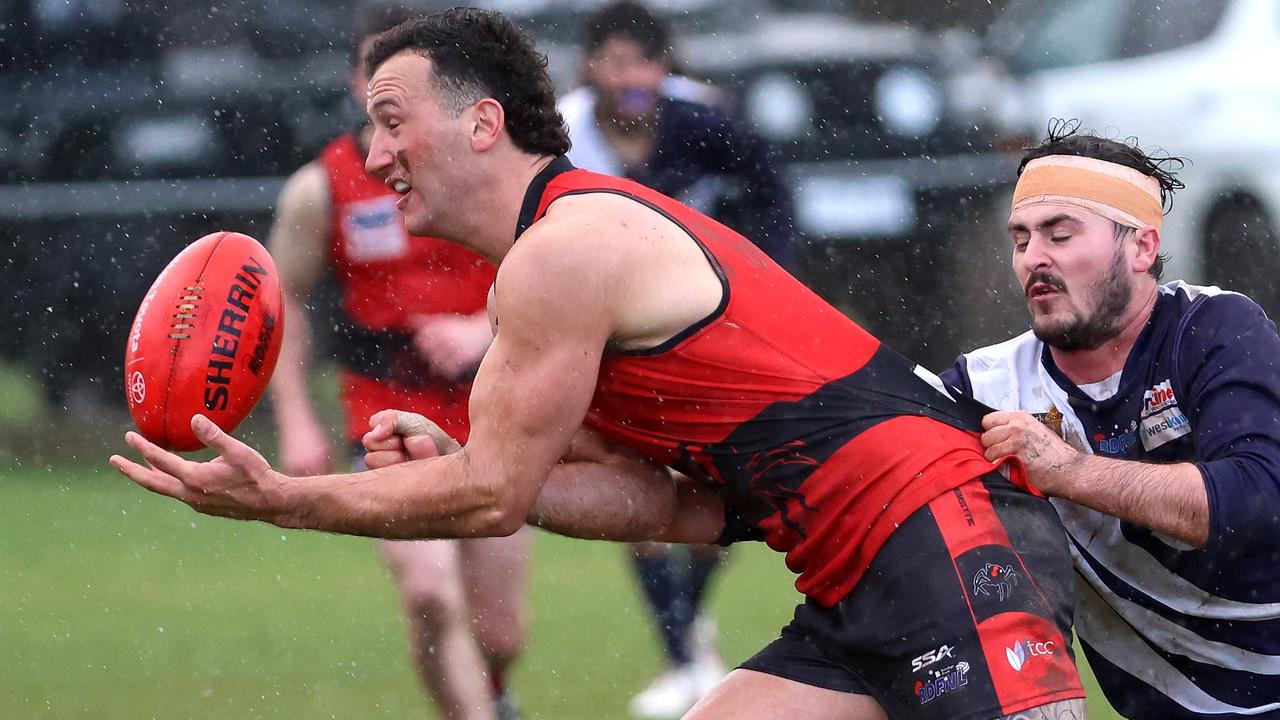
[
  {"x": 887, "y": 173},
  {"x": 1195, "y": 78},
  {"x": 133, "y": 129}
]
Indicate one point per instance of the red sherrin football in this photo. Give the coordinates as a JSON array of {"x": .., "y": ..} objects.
[{"x": 205, "y": 340}]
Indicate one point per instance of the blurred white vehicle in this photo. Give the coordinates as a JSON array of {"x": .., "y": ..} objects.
[{"x": 1197, "y": 78}]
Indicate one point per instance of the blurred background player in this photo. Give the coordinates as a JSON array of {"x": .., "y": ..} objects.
[
  {"x": 635, "y": 117},
  {"x": 413, "y": 329}
]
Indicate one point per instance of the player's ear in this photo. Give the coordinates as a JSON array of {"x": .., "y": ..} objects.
[
  {"x": 1146, "y": 242},
  {"x": 486, "y": 123}
]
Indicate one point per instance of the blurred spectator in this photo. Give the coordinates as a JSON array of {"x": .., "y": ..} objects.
[{"x": 633, "y": 117}]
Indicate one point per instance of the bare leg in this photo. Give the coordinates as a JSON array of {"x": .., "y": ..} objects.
[
  {"x": 1062, "y": 710},
  {"x": 495, "y": 578},
  {"x": 751, "y": 695},
  {"x": 445, "y": 655}
]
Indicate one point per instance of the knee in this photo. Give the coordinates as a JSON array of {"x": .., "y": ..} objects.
[
  {"x": 501, "y": 636},
  {"x": 432, "y": 601}
]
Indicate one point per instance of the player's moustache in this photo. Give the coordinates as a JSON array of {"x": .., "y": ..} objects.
[{"x": 1052, "y": 281}]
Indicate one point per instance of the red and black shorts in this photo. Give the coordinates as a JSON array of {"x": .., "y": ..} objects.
[{"x": 965, "y": 613}]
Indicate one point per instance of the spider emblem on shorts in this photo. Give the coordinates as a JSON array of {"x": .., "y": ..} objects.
[{"x": 1001, "y": 578}]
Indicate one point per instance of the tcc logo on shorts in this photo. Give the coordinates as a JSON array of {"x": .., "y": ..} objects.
[
  {"x": 1023, "y": 651},
  {"x": 1000, "y": 578}
]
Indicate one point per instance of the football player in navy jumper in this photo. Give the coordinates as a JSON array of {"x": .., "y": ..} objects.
[{"x": 1150, "y": 414}]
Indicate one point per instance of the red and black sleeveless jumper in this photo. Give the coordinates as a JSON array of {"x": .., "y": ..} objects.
[{"x": 819, "y": 436}]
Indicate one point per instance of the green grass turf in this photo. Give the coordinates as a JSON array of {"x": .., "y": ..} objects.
[{"x": 118, "y": 604}]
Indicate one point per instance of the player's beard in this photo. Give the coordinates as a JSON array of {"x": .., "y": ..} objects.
[{"x": 1089, "y": 332}]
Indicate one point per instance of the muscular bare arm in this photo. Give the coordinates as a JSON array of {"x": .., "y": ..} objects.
[
  {"x": 530, "y": 396},
  {"x": 596, "y": 269},
  {"x": 298, "y": 243},
  {"x": 605, "y": 491},
  {"x": 1169, "y": 499},
  {"x": 627, "y": 501},
  {"x": 598, "y": 491}
]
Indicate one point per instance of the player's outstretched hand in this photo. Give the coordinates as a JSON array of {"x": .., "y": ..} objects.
[
  {"x": 398, "y": 436},
  {"x": 239, "y": 483}
]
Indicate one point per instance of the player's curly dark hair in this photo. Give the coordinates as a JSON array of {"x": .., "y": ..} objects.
[
  {"x": 1064, "y": 138},
  {"x": 477, "y": 54}
]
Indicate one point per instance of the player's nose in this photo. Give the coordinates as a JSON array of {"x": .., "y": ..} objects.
[
  {"x": 381, "y": 157},
  {"x": 1036, "y": 256}
]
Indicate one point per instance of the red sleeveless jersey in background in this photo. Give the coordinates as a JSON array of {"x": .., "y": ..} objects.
[
  {"x": 387, "y": 276},
  {"x": 819, "y": 436}
]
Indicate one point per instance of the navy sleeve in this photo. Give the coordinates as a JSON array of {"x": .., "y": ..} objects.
[
  {"x": 723, "y": 146},
  {"x": 957, "y": 376},
  {"x": 1229, "y": 363}
]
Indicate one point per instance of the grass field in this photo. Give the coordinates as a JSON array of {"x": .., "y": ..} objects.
[
  {"x": 118, "y": 604},
  {"x": 114, "y": 604}
]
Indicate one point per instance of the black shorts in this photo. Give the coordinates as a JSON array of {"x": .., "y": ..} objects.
[{"x": 965, "y": 613}]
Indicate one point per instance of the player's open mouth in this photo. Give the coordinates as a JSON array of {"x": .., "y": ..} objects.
[
  {"x": 1041, "y": 291},
  {"x": 401, "y": 188}
]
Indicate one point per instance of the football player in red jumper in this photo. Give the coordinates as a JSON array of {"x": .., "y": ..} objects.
[
  {"x": 634, "y": 334},
  {"x": 413, "y": 330}
]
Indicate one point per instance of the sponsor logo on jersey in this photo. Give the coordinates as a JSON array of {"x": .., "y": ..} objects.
[
  {"x": 995, "y": 580},
  {"x": 374, "y": 230},
  {"x": 1051, "y": 420},
  {"x": 946, "y": 680},
  {"x": 930, "y": 657},
  {"x": 1163, "y": 427},
  {"x": 1026, "y": 650},
  {"x": 1118, "y": 444},
  {"x": 1158, "y": 398}
]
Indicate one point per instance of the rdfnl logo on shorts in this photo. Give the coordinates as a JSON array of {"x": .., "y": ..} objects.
[{"x": 1021, "y": 652}]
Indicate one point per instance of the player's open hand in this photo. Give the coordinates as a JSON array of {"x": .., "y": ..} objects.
[
  {"x": 397, "y": 436},
  {"x": 1044, "y": 454},
  {"x": 239, "y": 483}
]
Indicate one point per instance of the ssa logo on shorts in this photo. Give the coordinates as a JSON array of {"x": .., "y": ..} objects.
[
  {"x": 1021, "y": 652},
  {"x": 931, "y": 657}
]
